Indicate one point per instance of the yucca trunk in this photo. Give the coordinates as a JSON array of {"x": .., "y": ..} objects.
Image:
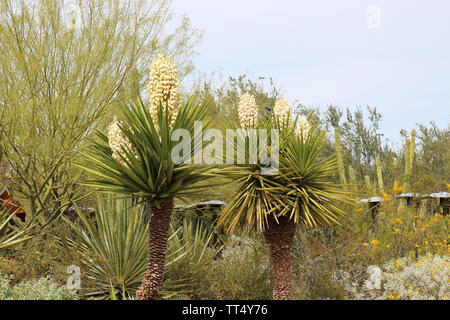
[
  {"x": 157, "y": 249},
  {"x": 280, "y": 237}
]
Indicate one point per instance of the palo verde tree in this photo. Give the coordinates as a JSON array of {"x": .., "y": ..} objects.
[
  {"x": 298, "y": 193},
  {"x": 64, "y": 64},
  {"x": 135, "y": 160}
]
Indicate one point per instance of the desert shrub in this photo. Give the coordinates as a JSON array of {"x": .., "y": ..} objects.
[
  {"x": 322, "y": 256},
  {"x": 240, "y": 273},
  {"x": 44, "y": 255},
  {"x": 42, "y": 289},
  {"x": 314, "y": 266},
  {"x": 4, "y": 287},
  {"x": 427, "y": 278},
  {"x": 190, "y": 252}
]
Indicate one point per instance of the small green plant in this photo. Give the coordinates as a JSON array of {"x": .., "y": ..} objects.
[{"x": 113, "y": 245}]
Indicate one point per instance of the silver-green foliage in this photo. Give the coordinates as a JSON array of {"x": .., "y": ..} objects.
[
  {"x": 425, "y": 279},
  {"x": 42, "y": 289}
]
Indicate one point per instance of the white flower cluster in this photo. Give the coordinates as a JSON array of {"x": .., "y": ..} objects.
[
  {"x": 303, "y": 127},
  {"x": 282, "y": 111},
  {"x": 163, "y": 88},
  {"x": 117, "y": 139},
  {"x": 248, "y": 111},
  {"x": 428, "y": 278}
]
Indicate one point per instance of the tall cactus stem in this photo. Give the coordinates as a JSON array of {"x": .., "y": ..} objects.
[
  {"x": 352, "y": 177},
  {"x": 407, "y": 165},
  {"x": 337, "y": 140},
  {"x": 380, "y": 176},
  {"x": 368, "y": 184}
]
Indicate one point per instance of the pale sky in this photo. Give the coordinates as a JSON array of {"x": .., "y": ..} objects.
[{"x": 323, "y": 52}]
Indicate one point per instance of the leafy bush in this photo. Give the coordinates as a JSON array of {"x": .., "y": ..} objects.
[
  {"x": 42, "y": 289},
  {"x": 241, "y": 272},
  {"x": 5, "y": 289},
  {"x": 43, "y": 255},
  {"x": 314, "y": 266},
  {"x": 190, "y": 252}
]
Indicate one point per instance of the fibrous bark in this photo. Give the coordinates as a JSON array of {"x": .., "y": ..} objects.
[
  {"x": 157, "y": 249},
  {"x": 280, "y": 237}
]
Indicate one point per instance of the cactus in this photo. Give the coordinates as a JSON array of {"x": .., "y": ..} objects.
[
  {"x": 368, "y": 184},
  {"x": 412, "y": 155},
  {"x": 410, "y": 146},
  {"x": 380, "y": 176},
  {"x": 352, "y": 178},
  {"x": 407, "y": 165},
  {"x": 337, "y": 140}
]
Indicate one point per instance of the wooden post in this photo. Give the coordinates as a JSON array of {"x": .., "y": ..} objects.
[
  {"x": 374, "y": 206},
  {"x": 445, "y": 204}
]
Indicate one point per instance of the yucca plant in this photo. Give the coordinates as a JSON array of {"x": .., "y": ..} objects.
[
  {"x": 135, "y": 160},
  {"x": 301, "y": 192},
  {"x": 190, "y": 247},
  {"x": 143, "y": 170},
  {"x": 12, "y": 234},
  {"x": 113, "y": 244},
  {"x": 114, "y": 241}
]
